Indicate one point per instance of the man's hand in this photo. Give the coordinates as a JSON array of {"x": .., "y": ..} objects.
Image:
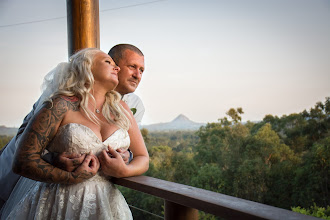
[
  {"x": 87, "y": 169},
  {"x": 69, "y": 161},
  {"x": 112, "y": 163},
  {"x": 124, "y": 154}
]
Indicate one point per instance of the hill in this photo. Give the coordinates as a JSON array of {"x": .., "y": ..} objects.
[
  {"x": 7, "y": 131},
  {"x": 181, "y": 122}
]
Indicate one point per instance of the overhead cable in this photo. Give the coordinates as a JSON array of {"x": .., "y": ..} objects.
[{"x": 50, "y": 19}]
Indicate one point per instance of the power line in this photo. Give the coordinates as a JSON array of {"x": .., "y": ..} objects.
[
  {"x": 142, "y": 210},
  {"x": 129, "y": 6},
  {"x": 31, "y": 22},
  {"x": 50, "y": 19}
]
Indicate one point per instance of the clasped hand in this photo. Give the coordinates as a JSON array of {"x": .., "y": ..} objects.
[{"x": 85, "y": 166}]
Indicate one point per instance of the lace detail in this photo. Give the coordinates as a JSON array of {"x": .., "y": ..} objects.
[
  {"x": 78, "y": 138},
  {"x": 88, "y": 202},
  {"x": 95, "y": 198}
]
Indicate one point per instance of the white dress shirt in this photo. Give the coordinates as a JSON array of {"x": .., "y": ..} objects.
[{"x": 134, "y": 101}]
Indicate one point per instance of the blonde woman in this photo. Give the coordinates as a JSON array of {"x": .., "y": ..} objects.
[{"x": 81, "y": 114}]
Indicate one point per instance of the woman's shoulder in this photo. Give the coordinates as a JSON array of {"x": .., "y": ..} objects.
[
  {"x": 124, "y": 104},
  {"x": 65, "y": 102},
  {"x": 69, "y": 98}
]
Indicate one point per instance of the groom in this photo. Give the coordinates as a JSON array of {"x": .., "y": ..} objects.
[{"x": 131, "y": 62}]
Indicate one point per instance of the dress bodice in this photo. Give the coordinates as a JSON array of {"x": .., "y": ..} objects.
[
  {"x": 95, "y": 198},
  {"x": 78, "y": 138}
]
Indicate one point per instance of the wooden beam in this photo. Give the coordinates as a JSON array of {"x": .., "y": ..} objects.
[
  {"x": 221, "y": 205},
  {"x": 174, "y": 211},
  {"x": 83, "y": 25}
]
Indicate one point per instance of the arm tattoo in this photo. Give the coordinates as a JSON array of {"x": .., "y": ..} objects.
[{"x": 38, "y": 134}]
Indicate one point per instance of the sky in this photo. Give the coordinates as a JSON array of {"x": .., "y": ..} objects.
[{"x": 202, "y": 57}]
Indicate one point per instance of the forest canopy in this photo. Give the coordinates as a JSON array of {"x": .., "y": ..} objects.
[{"x": 280, "y": 161}]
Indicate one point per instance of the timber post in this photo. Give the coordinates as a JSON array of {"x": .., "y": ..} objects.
[
  {"x": 174, "y": 211},
  {"x": 83, "y": 24}
]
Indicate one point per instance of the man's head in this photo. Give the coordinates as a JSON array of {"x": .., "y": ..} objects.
[{"x": 131, "y": 62}]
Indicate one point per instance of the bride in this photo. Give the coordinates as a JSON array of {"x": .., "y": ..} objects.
[{"x": 81, "y": 114}]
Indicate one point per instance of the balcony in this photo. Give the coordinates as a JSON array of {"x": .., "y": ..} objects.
[{"x": 183, "y": 202}]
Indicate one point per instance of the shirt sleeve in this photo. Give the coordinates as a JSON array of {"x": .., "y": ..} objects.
[
  {"x": 25, "y": 122},
  {"x": 8, "y": 178}
]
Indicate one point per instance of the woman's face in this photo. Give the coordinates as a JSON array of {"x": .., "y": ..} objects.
[{"x": 105, "y": 71}]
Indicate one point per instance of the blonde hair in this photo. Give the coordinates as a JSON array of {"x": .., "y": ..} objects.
[{"x": 75, "y": 78}]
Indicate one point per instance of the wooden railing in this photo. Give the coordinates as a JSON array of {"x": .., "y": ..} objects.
[{"x": 183, "y": 202}]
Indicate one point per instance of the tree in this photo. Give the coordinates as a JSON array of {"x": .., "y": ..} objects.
[
  {"x": 209, "y": 177},
  {"x": 235, "y": 114},
  {"x": 4, "y": 140},
  {"x": 315, "y": 174},
  {"x": 145, "y": 135}
]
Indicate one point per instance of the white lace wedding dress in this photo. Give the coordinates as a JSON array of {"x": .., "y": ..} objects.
[{"x": 96, "y": 198}]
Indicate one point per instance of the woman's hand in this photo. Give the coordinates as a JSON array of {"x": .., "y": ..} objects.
[
  {"x": 68, "y": 161},
  {"x": 87, "y": 169},
  {"x": 112, "y": 163}
]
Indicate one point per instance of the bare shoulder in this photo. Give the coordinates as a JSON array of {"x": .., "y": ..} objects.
[
  {"x": 124, "y": 105},
  {"x": 128, "y": 110}
]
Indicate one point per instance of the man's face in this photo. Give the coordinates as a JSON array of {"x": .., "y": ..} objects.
[{"x": 130, "y": 74}]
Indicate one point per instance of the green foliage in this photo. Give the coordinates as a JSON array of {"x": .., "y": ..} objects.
[
  {"x": 280, "y": 161},
  {"x": 315, "y": 174},
  {"x": 184, "y": 167},
  {"x": 209, "y": 177},
  {"x": 177, "y": 140},
  {"x": 145, "y": 135},
  {"x": 161, "y": 161},
  {"x": 235, "y": 114},
  {"x": 315, "y": 211},
  {"x": 4, "y": 140}
]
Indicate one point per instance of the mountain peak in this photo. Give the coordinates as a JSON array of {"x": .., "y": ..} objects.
[
  {"x": 181, "y": 118},
  {"x": 181, "y": 122}
]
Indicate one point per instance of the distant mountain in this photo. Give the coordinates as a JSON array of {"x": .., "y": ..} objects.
[
  {"x": 8, "y": 131},
  {"x": 179, "y": 123}
]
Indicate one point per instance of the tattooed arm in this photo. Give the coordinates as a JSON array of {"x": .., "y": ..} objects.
[{"x": 41, "y": 129}]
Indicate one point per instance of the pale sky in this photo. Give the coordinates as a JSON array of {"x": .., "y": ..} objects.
[{"x": 202, "y": 57}]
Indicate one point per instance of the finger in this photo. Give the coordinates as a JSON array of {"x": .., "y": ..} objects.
[
  {"x": 92, "y": 163},
  {"x": 70, "y": 155},
  {"x": 103, "y": 156},
  {"x": 77, "y": 161},
  {"x": 126, "y": 153},
  {"x": 94, "y": 156},
  {"x": 81, "y": 158},
  {"x": 95, "y": 161},
  {"x": 120, "y": 150},
  {"x": 126, "y": 159},
  {"x": 87, "y": 160},
  {"x": 114, "y": 153},
  {"x": 97, "y": 164}
]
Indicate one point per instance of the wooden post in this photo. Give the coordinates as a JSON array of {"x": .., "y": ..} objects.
[
  {"x": 83, "y": 24},
  {"x": 174, "y": 211}
]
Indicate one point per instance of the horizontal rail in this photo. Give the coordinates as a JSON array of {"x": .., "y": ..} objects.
[{"x": 221, "y": 205}]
